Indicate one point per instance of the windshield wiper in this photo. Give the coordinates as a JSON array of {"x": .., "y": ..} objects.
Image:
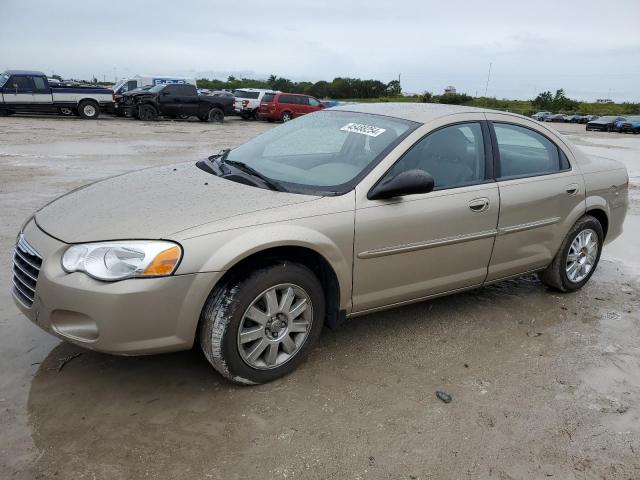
[
  {"x": 272, "y": 184},
  {"x": 217, "y": 162}
]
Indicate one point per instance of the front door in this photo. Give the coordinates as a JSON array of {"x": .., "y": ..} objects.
[
  {"x": 541, "y": 195},
  {"x": 421, "y": 245},
  {"x": 18, "y": 89}
]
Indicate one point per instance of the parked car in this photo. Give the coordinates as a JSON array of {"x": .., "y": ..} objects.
[
  {"x": 558, "y": 117},
  {"x": 29, "y": 91},
  {"x": 572, "y": 118},
  {"x": 336, "y": 214},
  {"x": 541, "y": 116},
  {"x": 630, "y": 125},
  {"x": 287, "y": 106},
  {"x": 143, "y": 82},
  {"x": 176, "y": 101},
  {"x": 248, "y": 101},
  {"x": 604, "y": 124}
]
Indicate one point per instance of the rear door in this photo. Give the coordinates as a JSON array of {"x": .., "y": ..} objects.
[
  {"x": 41, "y": 91},
  {"x": 19, "y": 89},
  {"x": 541, "y": 195},
  {"x": 169, "y": 100},
  {"x": 189, "y": 100}
]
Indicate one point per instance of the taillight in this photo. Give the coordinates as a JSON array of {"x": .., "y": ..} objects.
[
  {"x": 113, "y": 96},
  {"x": 245, "y": 103}
]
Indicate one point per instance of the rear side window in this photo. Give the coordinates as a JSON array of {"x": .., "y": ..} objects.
[
  {"x": 268, "y": 97},
  {"x": 524, "y": 152},
  {"x": 39, "y": 83},
  {"x": 288, "y": 99}
]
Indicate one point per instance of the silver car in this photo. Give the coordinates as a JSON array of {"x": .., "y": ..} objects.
[{"x": 336, "y": 214}]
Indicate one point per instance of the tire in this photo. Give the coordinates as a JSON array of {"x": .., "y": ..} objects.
[
  {"x": 66, "y": 111},
  {"x": 88, "y": 109},
  {"x": 215, "y": 115},
  {"x": 270, "y": 120},
  {"x": 224, "y": 315},
  {"x": 5, "y": 113},
  {"x": 286, "y": 116},
  {"x": 147, "y": 113},
  {"x": 557, "y": 274}
]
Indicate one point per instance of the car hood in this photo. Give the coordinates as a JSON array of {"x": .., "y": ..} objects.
[{"x": 154, "y": 203}]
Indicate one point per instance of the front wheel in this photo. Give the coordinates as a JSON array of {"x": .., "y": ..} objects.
[
  {"x": 577, "y": 258},
  {"x": 147, "y": 113},
  {"x": 88, "y": 109},
  {"x": 263, "y": 326}
]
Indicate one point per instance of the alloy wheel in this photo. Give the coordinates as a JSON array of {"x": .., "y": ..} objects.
[
  {"x": 582, "y": 255},
  {"x": 275, "y": 326}
]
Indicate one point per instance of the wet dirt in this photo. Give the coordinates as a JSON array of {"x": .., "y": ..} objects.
[{"x": 544, "y": 385}]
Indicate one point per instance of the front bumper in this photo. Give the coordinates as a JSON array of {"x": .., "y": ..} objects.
[{"x": 134, "y": 317}]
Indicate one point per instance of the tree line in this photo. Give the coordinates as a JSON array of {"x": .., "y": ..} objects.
[{"x": 339, "y": 88}]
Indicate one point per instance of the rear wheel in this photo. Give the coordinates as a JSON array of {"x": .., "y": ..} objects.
[
  {"x": 577, "y": 258},
  {"x": 286, "y": 116},
  {"x": 147, "y": 113},
  {"x": 263, "y": 326},
  {"x": 5, "y": 113},
  {"x": 88, "y": 109},
  {"x": 215, "y": 115}
]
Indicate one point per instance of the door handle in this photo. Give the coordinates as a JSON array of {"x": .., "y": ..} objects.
[
  {"x": 479, "y": 204},
  {"x": 572, "y": 189}
]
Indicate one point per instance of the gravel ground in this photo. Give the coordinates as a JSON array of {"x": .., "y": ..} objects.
[{"x": 544, "y": 385}]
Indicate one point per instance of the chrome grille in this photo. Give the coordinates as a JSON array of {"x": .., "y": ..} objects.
[{"x": 26, "y": 267}]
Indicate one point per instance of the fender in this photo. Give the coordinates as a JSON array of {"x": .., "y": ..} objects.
[{"x": 230, "y": 247}]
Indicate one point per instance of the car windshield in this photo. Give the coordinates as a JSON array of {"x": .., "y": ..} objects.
[
  {"x": 157, "y": 88},
  {"x": 609, "y": 118},
  {"x": 3, "y": 79},
  {"x": 326, "y": 152}
]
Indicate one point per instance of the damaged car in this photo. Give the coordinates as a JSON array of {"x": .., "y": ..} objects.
[{"x": 343, "y": 212}]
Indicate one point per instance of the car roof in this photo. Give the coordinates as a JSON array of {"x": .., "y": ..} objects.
[
  {"x": 24, "y": 72},
  {"x": 416, "y": 112}
]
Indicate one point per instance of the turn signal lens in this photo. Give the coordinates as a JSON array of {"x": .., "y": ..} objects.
[{"x": 164, "y": 263}]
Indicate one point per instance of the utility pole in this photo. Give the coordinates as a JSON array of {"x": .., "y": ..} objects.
[{"x": 486, "y": 87}]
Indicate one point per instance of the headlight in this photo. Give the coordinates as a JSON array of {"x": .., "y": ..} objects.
[{"x": 120, "y": 260}]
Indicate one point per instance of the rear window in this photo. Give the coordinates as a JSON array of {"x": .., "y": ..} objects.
[
  {"x": 268, "y": 97},
  {"x": 245, "y": 94}
]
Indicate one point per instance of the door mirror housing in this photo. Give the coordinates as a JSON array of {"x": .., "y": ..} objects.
[{"x": 410, "y": 182}]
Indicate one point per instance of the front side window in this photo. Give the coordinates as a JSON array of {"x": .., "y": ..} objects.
[
  {"x": 454, "y": 156},
  {"x": 21, "y": 83},
  {"x": 323, "y": 152},
  {"x": 524, "y": 152}
]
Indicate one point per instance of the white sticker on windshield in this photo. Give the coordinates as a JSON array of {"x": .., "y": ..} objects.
[{"x": 368, "y": 130}]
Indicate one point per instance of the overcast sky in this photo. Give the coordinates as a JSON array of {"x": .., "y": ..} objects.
[{"x": 591, "y": 48}]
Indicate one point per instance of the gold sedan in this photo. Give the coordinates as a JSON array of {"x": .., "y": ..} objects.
[{"x": 336, "y": 214}]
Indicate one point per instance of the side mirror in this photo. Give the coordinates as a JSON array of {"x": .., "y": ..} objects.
[{"x": 410, "y": 182}]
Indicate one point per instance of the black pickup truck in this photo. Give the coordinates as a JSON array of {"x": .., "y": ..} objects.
[{"x": 176, "y": 101}]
